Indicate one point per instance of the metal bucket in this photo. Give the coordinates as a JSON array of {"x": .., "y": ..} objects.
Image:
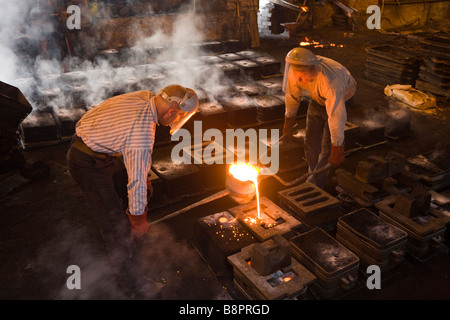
[{"x": 240, "y": 191}]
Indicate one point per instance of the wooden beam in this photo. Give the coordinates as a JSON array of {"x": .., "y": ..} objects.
[{"x": 286, "y": 5}]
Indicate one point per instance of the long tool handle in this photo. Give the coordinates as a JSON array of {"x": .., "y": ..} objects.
[
  {"x": 213, "y": 197},
  {"x": 277, "y": 142},
  {"x": 306, "y": 177}
]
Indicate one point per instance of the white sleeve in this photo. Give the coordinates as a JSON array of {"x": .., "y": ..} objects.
[
  {"x": 337, "y": 116},
  {"x": 138, "y": 163},
  {"x": 293, "y": 96}
]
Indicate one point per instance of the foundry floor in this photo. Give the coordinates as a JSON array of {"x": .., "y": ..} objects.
[{"x": 46, "y": 226}]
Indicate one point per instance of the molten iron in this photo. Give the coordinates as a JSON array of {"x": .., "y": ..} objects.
[{"x": 246, "y": 172}]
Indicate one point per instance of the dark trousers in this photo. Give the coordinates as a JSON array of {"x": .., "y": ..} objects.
[
  {"x": 318, "y": 141},
  {"x": 96, "y": 176}
]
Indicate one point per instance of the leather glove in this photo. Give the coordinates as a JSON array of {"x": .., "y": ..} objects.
[
  {"x": 288, "y": 127},
  {"x": 139, "y": 224},
  {"x": 337, "y": 155}
]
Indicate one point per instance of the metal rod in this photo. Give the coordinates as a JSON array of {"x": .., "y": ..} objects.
[
  {"x": 213, "y": 197},
  {"x": 302, "y": 178}
]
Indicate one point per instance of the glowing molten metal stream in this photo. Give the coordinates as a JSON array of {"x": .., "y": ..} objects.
[{"x": 247, "y": 172}]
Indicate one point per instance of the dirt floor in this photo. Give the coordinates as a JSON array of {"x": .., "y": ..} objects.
[{"x": 46, "y": 225}]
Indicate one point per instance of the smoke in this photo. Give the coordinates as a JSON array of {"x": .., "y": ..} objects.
[
  {"x": 171, "y": 262},
  {"x": 13, "y": 17},
  {"x": 394, "y": 118},
  {"x": 177, "y": 265},
  {"x": 71, "y": 248},
  {"x": 171, "y": 54}
]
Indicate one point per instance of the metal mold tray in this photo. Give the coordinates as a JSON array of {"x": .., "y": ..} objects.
[
  {"x": 274, "y": 220},
  {"x": 269, "y": 108},
  {"x": 424, "y": 232},
  {"x": 323, "y": 253},
  {"x": 307, "y": 199},
  {"x": 393, "y": 54},
  {"x": 256, "y": 287},
  {"x": 372, "y": 230},
  {"x": 220, "y": 235}
]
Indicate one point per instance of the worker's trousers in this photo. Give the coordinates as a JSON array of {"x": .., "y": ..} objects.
[
  {"x": 317, "y": 142},
  {"x": 95, "y": 176}
]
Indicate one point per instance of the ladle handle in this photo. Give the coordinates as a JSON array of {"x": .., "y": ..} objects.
[{"x": 213, "y": 197}]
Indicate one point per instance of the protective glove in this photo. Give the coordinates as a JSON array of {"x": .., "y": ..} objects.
[
  {"x": 288, "y": 127},
  {"x": 337, "y": 155},
  {"x": 139, "y": 224}
]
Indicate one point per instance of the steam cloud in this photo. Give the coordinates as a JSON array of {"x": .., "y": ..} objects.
[
  {"x": 176, "y": 58},
  {"x": 166, "y": 260}
]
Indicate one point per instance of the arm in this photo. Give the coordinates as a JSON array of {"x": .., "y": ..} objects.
[
  {"x": 337, "y": 116},
  {"x": 137, "y": 163},
  {"x": 292, "y": 102},
  {"x": 292, "y": 97}
]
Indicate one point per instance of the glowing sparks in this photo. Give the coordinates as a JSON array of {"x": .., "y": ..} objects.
[
  {"x": 317, "y": 44},
  {"x": 227, "y": 228}
]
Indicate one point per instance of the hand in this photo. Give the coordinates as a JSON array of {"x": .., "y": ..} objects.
[
  {"x": 337, "y": 155},
  {"x": 288, "y": 127},
  {"x": 139, "y": 224}
]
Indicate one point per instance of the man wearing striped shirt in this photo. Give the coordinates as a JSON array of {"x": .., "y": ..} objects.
[{"x": 115, "y": 136}]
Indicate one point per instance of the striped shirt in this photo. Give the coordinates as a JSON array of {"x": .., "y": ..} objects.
[
  {"x": 334, "y": 85},
  {"x": 125, "y": 124}
]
